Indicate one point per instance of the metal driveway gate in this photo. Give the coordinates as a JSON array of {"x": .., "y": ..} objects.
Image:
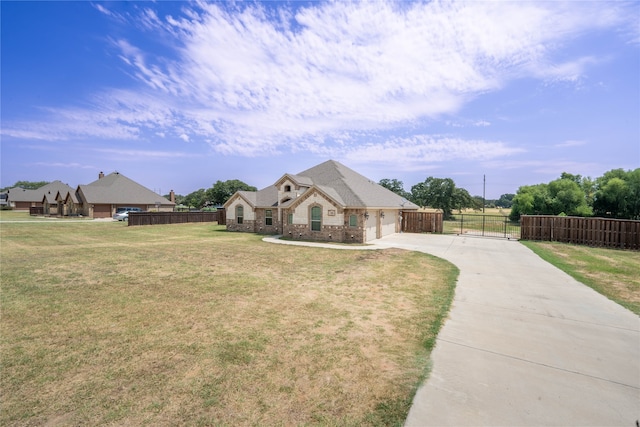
[{"x": 483, "y": 225}]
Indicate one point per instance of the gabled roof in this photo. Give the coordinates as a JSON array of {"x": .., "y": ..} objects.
[
  {"x": 21, "y": 195},
  {"x": 116, "y": 188},
  {"x": 18, "y": 194},
  {"x": 70, "y": 196},
  {"x": 50, "y": 198},
  {"x": 300, "y": 180},
  {"x": 353, "y": 189},
  {"x": 267, "y": 197},
  {"x": 347, "y": 187},
  {"x": 249, "y": 196}
]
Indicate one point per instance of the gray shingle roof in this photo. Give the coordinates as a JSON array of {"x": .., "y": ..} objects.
[
  {"x": 251, "y": 196},
  {"x": 116, "y": 188},
  {"x": 268, "y": 196},
  {"x": 21, "y": 195},
  {"x": 344, "y": 185},
  {"x": 354, "y": 189}
]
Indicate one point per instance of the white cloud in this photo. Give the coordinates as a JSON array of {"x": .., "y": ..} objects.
[
  {"x": 108, "y": 12},
  {"x": 134, "y": 155},
  {"x": 570, "y": 143},
  {"x": 253, "y": 80},
  {"x": 418, "y": 150},
  {"x": 63, "y": 165}
]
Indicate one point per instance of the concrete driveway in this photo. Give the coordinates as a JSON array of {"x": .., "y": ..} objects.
[{"x": 525, "y": 344}]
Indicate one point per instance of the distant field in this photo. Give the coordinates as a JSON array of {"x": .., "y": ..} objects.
[
  {"x": 487, "y": 211},
  {"x": 192, "y": 325}
]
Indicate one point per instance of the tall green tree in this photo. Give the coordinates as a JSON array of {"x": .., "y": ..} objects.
[
  {"x": 617, "y": 194},
  {"x": 530, "y": 200},
  {"x": 196, "y": 199},
  {"x": 462, "y": 200},
  {"x": 28, "y": 185},
  {"x": 396, "y": 186},
  {"x": 439, "y": 193},
  {"x": 566, "y": 196},
  {"x": 506, "y": 200},
  {"x": 221, "y": 191}
]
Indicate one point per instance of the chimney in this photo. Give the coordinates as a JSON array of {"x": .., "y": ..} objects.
[
  {"x": 172, "y": 196},
  {"x": 101, "y": 175}
]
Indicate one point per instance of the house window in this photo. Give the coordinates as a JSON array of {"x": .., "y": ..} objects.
[
  {"x": 353, "y": 220},
  {"x": 316, "y": 218},
  {"x": 287, "y": 188},
  {"x": 268, "y": 217},
  {"x": 239, "y": 214},
  {"x": 290, "y": 219}
]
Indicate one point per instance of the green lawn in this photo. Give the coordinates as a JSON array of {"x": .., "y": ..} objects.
[
  {"x": 611, "y": 272},
  {"x": 192, "y": 325}
]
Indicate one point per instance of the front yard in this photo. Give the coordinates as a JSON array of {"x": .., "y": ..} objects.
[{"x": 192, "y": 325}]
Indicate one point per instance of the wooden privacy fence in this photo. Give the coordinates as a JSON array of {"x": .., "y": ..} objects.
[
  {"x": 36, "y": 210},
  {"x": 613, "y": 233},
  {"x": 154, "y": 218},
  {"x": 422, "y": 222}
]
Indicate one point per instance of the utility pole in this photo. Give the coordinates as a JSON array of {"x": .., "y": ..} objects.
[{"x": 484, "y": 186}]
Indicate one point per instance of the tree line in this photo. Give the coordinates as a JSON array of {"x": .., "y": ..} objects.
[
  {"x": 216, "y": 195},
  {"x": 616, "y": 194}
]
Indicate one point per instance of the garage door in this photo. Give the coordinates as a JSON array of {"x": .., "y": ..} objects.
[
  {"x": 102, "y": 211},
  {"x": 388, "y": 223},
  {"x": 370, "y": 227}
]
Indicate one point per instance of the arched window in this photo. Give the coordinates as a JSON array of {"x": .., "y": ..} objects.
[
  {"x": 316, "y": 218},
  {"x": 239, "y": 214}
]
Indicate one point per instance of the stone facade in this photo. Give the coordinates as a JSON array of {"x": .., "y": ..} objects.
[
  {"x": 261, "y": 226},
  {"x": 341, "y": 205},
  {"x": 246, "y": 226},
  {"x": 332, "y": 232}
]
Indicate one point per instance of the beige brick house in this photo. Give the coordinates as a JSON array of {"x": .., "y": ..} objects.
[
  {"x": 328, "y": 202},
  {"x": 20, "y": 199}
]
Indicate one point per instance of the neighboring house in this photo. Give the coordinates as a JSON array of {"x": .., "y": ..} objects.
[
  {"x": 103, "y": 197},
  {"x": 50, "y": 203},
  {"x": 21, "y": 199},
  {"x": 69, "y": 204},
  {"x": 328, "y": 202}
]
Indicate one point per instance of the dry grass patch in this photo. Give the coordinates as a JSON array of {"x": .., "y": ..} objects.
[
  {"x": 192, "y": 325},
  {"x": 612, "y": 272}
]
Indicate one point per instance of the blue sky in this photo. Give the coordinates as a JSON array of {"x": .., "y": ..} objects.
[{"x": 178, "y": 95}]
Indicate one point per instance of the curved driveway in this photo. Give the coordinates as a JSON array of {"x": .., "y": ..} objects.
[{"x": 525, "y": 344}]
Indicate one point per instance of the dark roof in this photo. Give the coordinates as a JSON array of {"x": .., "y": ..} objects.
[
  {"x": 116, "y": 188},
  {"x": 50, "y": 190}
]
